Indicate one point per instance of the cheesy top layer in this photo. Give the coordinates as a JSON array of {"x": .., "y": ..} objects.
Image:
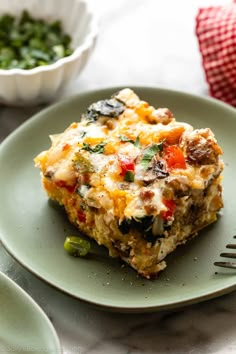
[{"x": 131, "y": 159}]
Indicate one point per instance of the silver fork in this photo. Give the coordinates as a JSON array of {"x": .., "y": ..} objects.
[{"x": 231, "y": 265}]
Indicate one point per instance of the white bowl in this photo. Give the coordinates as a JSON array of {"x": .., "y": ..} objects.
[{"x": 41, "y": 84}]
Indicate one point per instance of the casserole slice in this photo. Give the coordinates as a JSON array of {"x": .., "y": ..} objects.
[{"x": 134, "y": 179}]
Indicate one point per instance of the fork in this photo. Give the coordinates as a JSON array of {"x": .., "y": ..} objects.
[{"x": 231, "y": 265}]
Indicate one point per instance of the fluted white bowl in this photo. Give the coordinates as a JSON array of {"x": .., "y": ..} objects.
[{"x": 42, "y": 83}]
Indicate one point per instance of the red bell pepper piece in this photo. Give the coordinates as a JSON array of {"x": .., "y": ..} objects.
[
  {"x": 126, "y": 164},
  {"x": 64, "y": 185},
  {"x": 174, "y": 157},
  {"x": 81, "y": 215},
  {"x": 170, "y": 204}
]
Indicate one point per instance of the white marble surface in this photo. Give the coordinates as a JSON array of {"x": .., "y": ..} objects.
[{"x": 148, "y": 43}]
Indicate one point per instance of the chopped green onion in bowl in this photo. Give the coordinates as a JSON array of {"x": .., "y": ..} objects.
[
  {"x": 27, "y": 42},
  {"x": 34, "y": 70}
]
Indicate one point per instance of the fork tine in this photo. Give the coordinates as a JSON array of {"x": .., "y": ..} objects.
[
  {"x": 231, "y": 245},
  {"x": 232, "y": 255},
  {"x": 228, "y": 255},
  {"x": 226, "y": 264}
]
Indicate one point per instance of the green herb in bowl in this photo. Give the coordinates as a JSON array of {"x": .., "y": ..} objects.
[{"x": 27, "y": 42}]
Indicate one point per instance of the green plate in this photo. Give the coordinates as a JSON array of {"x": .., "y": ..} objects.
[
  {"x": 24, "y": 328},
  {"x": 33, "y": 230}
]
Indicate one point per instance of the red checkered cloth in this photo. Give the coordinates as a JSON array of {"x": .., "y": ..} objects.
[{"x": 216, "y": 33}]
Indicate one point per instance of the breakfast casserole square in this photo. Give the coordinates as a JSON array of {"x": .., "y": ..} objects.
[{"x": 133, "y": 178}]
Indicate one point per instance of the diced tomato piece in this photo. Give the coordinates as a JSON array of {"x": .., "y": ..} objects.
[
  {"x": 81, "y": 215},
  {"x": 126, "y": 164},
  {"x": 62, "y": 184},
  {"x": 174, "y": 157},
  {"x": 170, "y": 204}
]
